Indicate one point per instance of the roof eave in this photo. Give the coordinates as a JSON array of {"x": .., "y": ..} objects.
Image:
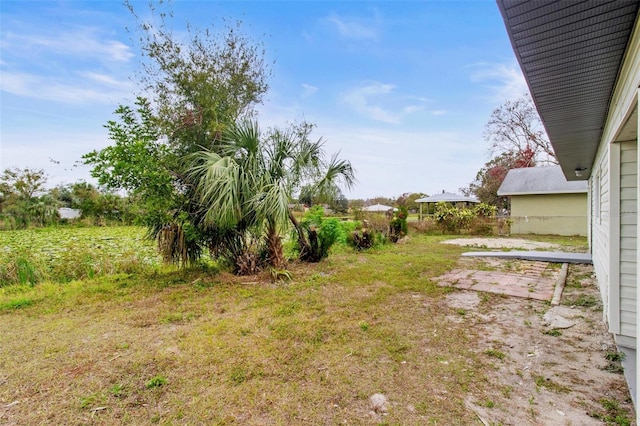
[
  {"x": 558, "y": 45},
  {"x": 509, "y": 194}
]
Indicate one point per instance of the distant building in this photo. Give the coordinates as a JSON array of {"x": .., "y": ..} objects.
[
  {"x": 459, "y": 201},
  {"x": 67, "y": 213},
  {"x": 544, "y": 202},
  {"x": 378, "y": 208}
]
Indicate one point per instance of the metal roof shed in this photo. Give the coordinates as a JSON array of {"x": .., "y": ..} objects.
[
  {"x": 378, "y": 208},
  {"x": 446, "y": 197}
]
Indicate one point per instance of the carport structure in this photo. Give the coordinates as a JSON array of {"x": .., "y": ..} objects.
[{"x": 446, "y": 197}]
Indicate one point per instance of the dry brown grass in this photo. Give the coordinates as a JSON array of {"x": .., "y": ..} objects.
[{"x": 190, "y": 349}]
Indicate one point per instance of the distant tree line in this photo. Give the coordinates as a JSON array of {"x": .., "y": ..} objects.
[{"x": 26, "y": 202}]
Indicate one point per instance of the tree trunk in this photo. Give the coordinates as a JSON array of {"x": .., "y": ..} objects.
[
  {"x": 303, "y": 245},
  {"x": 274, "y": 247}
]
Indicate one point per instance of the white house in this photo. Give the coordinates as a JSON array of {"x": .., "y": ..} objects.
[
  {"x": 581, "y": 60},
  {"x": 67, "y": 213}
]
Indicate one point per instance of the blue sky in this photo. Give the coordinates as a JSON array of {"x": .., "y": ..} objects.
[{"x": 401, "y": 89}]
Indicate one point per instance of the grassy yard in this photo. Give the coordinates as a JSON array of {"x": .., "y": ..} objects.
[{"x": 199, "y": 348}]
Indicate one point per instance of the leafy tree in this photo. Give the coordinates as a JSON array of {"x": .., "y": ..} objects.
[
  {"x": 84, "y": 197},
  {"x": 515, "y": 127},
  {"x": 489, "y": 178},
  {"x": 22, "y": 183},
  {"x": 516, "y": 139},
  {"x": 139, "y": 162},
  {"x": 202, "y": 85},
  {"x": 246, "y": 185},
  {"x": 23, "y": 198},
  {"x": 356, "y": 204},
  {"x": 43, "y": 210},
  {"x": 198, "y": 88},
  {"x": 408, "y": 200},
  {"x": 339, "y": 204}
]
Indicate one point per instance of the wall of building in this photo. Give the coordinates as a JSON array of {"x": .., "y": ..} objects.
[
  {"x": 550, "y": 214},
  {"x": 628, "y": 242}
]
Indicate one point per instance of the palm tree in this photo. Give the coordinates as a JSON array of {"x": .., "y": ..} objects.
[{"x": 246, "y": 185}]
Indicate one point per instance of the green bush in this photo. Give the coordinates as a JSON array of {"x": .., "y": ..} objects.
[
  {"x": 347, "y": 228},
  {"x": 21, "y": 267},
  {"x": 330, "y": 233},
  {"x": 362, "y": 239},
  {"x": 485, "y": 210},
  {"x": 398, "y": 225},
  {"x": 322, "y": 233},
  {"x": 455, "y": 220}
]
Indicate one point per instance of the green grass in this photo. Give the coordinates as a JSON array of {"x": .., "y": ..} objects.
[
  {"x": 586, "y": 301},
  {"x": 204, "y": 347},
  {"x": 611, "y": 414},
  {"x": 495, "y": 354},
  {"x": 198, "y": 348},
  {"x": 63, "y": 254},
  {"x": 574, "y": 242},
  {"x": 542, "y": 382}
]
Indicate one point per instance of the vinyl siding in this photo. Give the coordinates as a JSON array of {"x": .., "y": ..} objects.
[
  {"x": 553, "y": 214},
  {"x": 628, "y": 232},
  {"x": 599, "y": 191}
]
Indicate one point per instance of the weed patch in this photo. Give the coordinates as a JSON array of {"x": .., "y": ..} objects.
[
  {"x": 496, "y": 354},
  {"x": 611, "y": 413},
  {"x": 614, "y": 362},
  {"x": 19, "y": 303},
  {"x": 156, "y": 382},
  {"x": 542, "y": 382},
  {"x": 585, "y": 301}
]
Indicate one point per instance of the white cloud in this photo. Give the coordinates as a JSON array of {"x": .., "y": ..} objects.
[
  {"x": 367, "y": 101},
  {"x": 85, "y": 88},
  {"x": 438, "y": 112},
  {"x": 74, "y": 65},
  {"x": 505, "y": 81},
  {"x": 413, "y": 108},
  {"x": 80, "y": 42},
  {"x": 107, "y": 80},
  {"x": 354, "y": 30},
  {"x": 359, "y": 99},
  {"x": 308, "y": 90}
]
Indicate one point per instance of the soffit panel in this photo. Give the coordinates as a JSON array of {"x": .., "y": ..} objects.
[{"x": 570, "y": 54}]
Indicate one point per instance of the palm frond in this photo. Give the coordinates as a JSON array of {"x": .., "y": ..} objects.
[{"x": 338, "y": 172}]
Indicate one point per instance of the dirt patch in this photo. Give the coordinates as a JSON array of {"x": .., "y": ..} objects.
[
  {"x": 540, "y": 375},
  {"x": 510, "y": 243}
]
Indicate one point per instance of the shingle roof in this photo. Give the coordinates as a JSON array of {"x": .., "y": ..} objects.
[{"x": 539, "y": 180}]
